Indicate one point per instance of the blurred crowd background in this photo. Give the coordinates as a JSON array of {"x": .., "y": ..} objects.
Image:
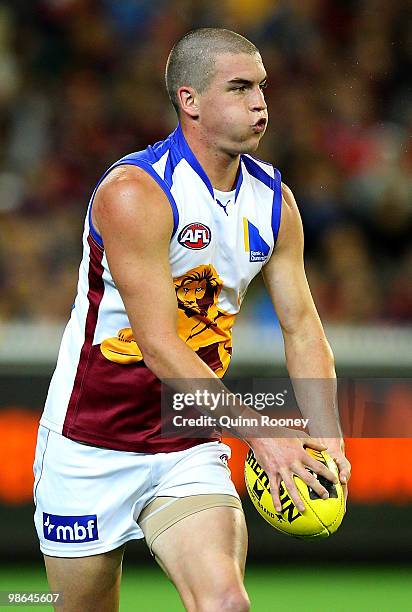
[{"x": 81, "y": 84}]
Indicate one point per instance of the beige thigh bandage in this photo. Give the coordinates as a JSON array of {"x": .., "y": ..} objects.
[{"x": 163, "y": 512}]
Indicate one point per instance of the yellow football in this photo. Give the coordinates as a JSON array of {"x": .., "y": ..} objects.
[{"x": 320, "y": 518}]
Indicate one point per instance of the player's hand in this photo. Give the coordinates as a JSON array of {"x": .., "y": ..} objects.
[
  {"x": 283, "y": 458},
  {"x": 336, "y": 449}
]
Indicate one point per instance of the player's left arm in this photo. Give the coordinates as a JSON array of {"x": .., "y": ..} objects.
[{"x": 309, "y": 358}]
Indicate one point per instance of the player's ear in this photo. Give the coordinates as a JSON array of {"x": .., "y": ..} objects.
[{"x": 188, "y": 99}]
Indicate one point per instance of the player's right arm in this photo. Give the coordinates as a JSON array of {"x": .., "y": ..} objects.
[{"x": 134, "y": 218}]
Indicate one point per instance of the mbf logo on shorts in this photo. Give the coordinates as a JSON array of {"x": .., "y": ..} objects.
[
  {"x": 70, "y": 528},
  {"x": 195, "y": 236}
]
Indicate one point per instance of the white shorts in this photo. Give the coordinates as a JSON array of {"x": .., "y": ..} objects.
[{"x": 88, "y": 500}]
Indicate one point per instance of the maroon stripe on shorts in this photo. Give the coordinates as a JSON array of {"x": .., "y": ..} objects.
[{"x": 94, "y": 296}]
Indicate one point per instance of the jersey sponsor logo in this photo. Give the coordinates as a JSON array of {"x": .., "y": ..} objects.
[
  {"x": 195, "y": 236},
  {"x": 254, "y": 244},
  {"x": 67, "y": 529}
]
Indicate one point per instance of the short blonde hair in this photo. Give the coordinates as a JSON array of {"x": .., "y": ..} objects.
[{"x": 191, "y": 62}]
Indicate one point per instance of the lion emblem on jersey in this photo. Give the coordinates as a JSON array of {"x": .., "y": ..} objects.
[
  {"x": 198, "y": 290},
  {"x": 201, "y": 323}
]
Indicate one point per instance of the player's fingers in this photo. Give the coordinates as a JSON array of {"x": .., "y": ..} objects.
[
  {"x": 311, "y": 481},
  {"x": 274, "y": 491},
  {"x": 344, "y": 468},
  {"x": 320, "y": 468},
  {"x": 293, "y": 492},
  {"x": 314, "y": 443}
]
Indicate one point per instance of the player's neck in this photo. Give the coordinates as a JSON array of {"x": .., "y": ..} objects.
[{"x": 220, "y": 167}]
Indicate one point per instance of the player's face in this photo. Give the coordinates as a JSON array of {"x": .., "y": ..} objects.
[{"x": 233, "y": 111}]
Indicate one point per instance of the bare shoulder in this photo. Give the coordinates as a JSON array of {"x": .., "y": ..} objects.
[
  {"x": 288, "y": 199},
  {"x": 129, "y": 195},
  {"x": 290, "y": 230},
  {"x": 125, "y": 178}
]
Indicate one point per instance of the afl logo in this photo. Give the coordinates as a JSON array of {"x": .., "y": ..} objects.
[{"x": 195, "y": 236}]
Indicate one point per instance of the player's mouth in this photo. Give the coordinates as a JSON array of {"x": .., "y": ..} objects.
[{"x": 259, "y": 126}]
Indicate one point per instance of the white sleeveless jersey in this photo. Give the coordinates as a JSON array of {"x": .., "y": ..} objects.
[{"x": 101, "y": 392}]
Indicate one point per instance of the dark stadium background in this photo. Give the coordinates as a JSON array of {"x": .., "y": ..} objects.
[{"x": 81, "y": 84}]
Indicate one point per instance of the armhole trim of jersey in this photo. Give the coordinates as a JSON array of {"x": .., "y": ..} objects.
[
  {"x": 147, "y": 168},
  {"x": 94, "y": 233},
  {"x": 277, "y": 205}
]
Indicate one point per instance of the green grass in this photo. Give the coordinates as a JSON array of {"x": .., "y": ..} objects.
[{"x": 291, "y": 589}]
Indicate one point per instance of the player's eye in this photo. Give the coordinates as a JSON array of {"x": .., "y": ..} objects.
[{"x": 263, "y": 85}]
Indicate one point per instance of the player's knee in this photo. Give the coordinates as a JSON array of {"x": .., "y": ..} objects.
[
  {"x": 235, "y": 601},
  {"x": 231, "y": 599}
]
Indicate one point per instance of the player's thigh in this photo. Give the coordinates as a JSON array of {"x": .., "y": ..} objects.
[
  {"x": 86, "y": 583},
  {"x": 204, "y": 554}
]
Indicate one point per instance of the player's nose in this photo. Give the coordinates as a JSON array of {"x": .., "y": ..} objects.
[{"x": 258, "y": 101}]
